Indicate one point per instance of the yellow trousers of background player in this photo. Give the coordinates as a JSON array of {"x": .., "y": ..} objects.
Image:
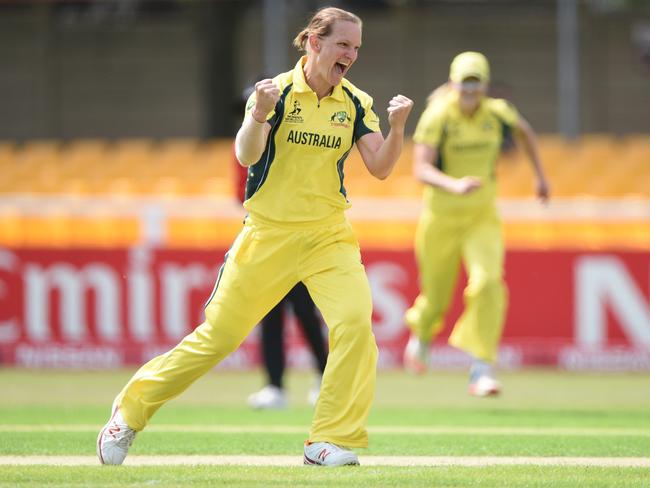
[
  {"x": 265, "y": 262},
  {"x": 442, "y": 241}
]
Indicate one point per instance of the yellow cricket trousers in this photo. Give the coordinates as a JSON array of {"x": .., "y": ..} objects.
[
  {"x": 264, "y": 263},
  {"x": 442, "y": 241}
]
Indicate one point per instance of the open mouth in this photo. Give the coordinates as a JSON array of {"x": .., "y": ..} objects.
[{"x": 340, "y": 68}]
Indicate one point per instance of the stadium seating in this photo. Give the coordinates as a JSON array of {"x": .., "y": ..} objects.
[
  {"x": 591, "y": 167},
  {"x": 595, "y": 165}
]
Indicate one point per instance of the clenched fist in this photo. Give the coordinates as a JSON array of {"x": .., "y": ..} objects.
[
  {"x": 266, "y": 96},
  {"x": 399, "y": 109}
]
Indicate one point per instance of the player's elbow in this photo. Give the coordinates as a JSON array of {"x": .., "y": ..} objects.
[
  {"x": 245, "y": 155},
  {"x": 381, "y": 172},
  {"x": 243, "y": 159},
  {"x": 381, "y": 175}
]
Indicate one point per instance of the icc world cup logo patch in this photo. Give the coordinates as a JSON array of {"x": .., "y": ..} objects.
[{"x": 294, "y": 117}]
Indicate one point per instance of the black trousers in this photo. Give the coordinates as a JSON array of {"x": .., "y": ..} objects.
[{"x": 273, "y": 333}]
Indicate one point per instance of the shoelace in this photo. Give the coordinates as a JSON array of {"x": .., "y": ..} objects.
[{"x": 336, "y": 448}]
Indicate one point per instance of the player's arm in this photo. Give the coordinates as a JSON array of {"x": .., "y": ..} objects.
[
  {"x": 251, "y": 137},
  {"x": 424, "y": 169},
  {"x": 528, "y": 140},
  {"x": 379, "y": 154}
]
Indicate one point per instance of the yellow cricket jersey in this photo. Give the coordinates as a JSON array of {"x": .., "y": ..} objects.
[
  {"x": 467, "y": 146},
  {"x": 299, "y": 177}
]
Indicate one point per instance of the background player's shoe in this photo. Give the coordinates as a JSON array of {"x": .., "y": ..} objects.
[
  {"x": 114, "y": 440},
  {"x": 327, "y": 454},
  {"x": 312, "y": 396},
  {"x": 484, "y": 386},
  {"x": 416, "y": 355},
  {"x": 481, "y": 380},
  {"x": 269, "y": 397}
]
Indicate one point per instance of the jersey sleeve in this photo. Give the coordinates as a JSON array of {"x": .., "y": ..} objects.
[
  {"x": 429, "y": 128},
  {"x": 367, "y": 120},
  {"x": 506, "y": 111}
]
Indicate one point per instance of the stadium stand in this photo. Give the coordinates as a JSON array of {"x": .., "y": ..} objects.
[
  {"x": 595, "y": 165},
  {"x": 42, "y": 180}
]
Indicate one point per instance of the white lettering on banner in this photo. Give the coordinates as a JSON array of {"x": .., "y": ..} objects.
[
  {"x": 72, "y": 285},
  {"x": 9, "y": 329},
  {"x": 601, "y": 281},
  {"x": 577, "y": 359},
  {"x": 388, "y": 303},
  {"x": 177, "y": 283},
  {"x": 140, "y": 283},
  {"x": 86, "y": 357}
]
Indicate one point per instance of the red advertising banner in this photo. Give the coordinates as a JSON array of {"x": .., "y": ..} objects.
[{"x": 107, "y": 308}]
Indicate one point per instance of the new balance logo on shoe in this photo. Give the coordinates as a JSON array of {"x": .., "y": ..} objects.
[
  {"x": 323, "y": 454},
  {"x": 328, "y": 454}
]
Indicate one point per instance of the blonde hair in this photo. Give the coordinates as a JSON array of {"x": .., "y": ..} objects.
[
  {"x": 321, "y": 24},
  {"x": 439, "y": 93}
]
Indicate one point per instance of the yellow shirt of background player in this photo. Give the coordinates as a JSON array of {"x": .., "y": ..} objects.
[
  {"x": 306, "y": 150},
  {"x": 467, "y": 146}
]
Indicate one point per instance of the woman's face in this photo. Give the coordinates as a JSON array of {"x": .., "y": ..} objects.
[
  {"x": 337, "y": 52},
  {"x": 471, "y": 91}
]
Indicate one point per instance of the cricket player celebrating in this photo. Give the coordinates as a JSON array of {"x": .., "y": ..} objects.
[
  {"x": 457, "y": 142},
  {"x": 298, "y": 129}
]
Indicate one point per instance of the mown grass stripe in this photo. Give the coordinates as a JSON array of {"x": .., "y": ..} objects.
[
  {"x": 397, "y": 430},
  {"x": 466, "y": 461}
]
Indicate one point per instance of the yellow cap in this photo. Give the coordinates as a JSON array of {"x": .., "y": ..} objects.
[{"x": 469, "y": 64}]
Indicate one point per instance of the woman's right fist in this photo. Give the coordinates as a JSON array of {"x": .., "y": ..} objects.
[{"x": 266, "y": 96}]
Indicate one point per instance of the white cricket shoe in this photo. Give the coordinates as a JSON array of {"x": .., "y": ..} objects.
[
  {"x": 328, "y": 454},
  {"x": 416, "y": 356},
  {"x": 114, "y": 440},
  {"x": 269, "y": 397},
  {"x": 484, "y": 386}
]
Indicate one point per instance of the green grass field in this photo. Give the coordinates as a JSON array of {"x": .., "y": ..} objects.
[{"x": 548, "y": 429}]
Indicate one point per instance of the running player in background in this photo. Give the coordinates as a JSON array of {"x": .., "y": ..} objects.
[
  {"x": 457, "y": 142},
  {"x": 298, "y": 129}
]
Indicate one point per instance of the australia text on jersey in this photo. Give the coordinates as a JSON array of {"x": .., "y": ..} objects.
[{"x": 314, "y": 139}]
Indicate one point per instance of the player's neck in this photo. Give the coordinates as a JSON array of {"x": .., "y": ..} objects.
[
  {"x": 468, "y": 109},
  {"x": 317, "y": 83}
]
